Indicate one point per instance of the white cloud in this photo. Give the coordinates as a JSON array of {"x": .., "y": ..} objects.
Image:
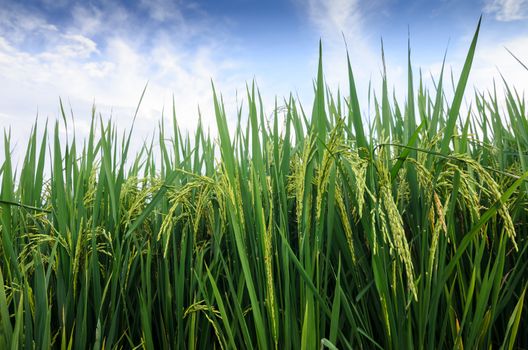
[
  {"x": 337, "y": 15},
  {"x": 71, "y": 47},
  {"x": 88, "y": 20},
  {"x": 72, "y": 64},
  {"x": 507, "y": 10},
  {"x": 493, "y": 60},
  {"x": 163, "y": 10},
  {"x": 348, "y": 18},
  {"x": 19, "y": 25}
]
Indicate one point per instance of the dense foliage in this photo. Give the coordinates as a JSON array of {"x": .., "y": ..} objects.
[{"x": 294, "y": 231}]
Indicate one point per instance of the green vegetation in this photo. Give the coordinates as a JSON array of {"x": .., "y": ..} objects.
[{"x": 295, "y": 231}]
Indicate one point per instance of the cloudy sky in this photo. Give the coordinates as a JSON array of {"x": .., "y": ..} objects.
[{"x": 106, "y": 51}]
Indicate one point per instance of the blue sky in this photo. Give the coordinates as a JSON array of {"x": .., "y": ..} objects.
[{"x": 106, "y": 51}]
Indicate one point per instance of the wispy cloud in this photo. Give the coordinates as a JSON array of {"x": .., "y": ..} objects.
[
  {"x": 494, "y": 61},
  {"x": 107, "y": 56},
  {"x": 163, "y": 10},
  {"x": 507, "y": 10},
  {"x": 350, "y": 19},
  {"x": 335, "y": 16}
]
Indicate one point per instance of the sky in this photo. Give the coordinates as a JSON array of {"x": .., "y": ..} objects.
[{"x": 105, "y": 52}]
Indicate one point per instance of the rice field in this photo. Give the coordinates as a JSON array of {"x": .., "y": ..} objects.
[{"x": 308, "y": 230}]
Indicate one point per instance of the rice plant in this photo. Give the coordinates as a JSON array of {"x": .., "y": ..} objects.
[{"x": 303, "y": 230}]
